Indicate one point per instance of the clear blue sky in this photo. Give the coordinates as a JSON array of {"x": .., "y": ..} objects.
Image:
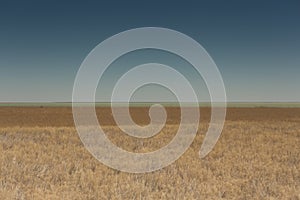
[{"x": 255, "y": 44}]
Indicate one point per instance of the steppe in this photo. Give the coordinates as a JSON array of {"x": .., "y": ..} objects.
[{"x": 256, "y": 157}]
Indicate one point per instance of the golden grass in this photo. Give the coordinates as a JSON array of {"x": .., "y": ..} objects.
[{"x": 252, "y": 160}]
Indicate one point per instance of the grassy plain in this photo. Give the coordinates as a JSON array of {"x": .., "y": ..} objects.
[{"x": 257, "y": 157}]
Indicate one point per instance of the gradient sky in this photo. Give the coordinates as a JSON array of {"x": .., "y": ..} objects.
[{"x": 255, "y": 44}]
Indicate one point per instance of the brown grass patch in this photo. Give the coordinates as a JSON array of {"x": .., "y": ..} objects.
[{"x": 252, "y": 160}]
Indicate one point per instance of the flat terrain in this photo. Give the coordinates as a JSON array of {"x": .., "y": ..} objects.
[
  {"x": 257, "y": 157},
  {"x": 62, "y": 116}
]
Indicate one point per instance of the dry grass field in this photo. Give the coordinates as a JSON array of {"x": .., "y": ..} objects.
[{"x": 257, "y": 157}]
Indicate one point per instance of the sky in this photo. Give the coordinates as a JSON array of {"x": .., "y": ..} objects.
[{"x": 255, "y": 44}]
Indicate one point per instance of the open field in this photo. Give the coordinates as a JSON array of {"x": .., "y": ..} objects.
[{"x": 257, "y": 157}]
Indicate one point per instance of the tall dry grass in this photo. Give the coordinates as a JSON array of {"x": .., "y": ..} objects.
[{"x": 252, "y": 160}]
